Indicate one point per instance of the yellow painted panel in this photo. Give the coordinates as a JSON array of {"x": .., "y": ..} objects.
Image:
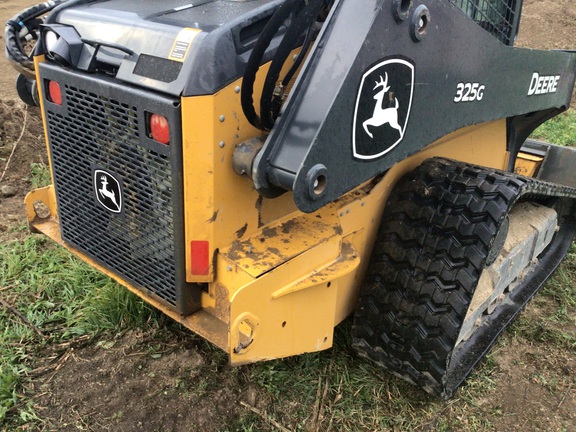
[
  {"x": 527, "y": 164},
  {"x": 37, "y": 61},
  {"x": 276, "y": 244},
  {"x": 221, "y": 206},
  {"x": 292, "y": 324},
  {"x": 342, "y": 265}
]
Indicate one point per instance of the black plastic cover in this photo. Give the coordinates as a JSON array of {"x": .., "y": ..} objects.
[{"x": 179, "y": 47}]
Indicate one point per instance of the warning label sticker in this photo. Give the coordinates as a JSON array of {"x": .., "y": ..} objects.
[{"x": 182, "y": 44}]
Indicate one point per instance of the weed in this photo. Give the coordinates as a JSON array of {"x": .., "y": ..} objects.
[
  {"x": 559, "y": 130},
  {"x": 39, "y": 175}
]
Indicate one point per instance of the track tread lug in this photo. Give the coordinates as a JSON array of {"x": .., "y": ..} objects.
[{"x": 434, "y": 238}]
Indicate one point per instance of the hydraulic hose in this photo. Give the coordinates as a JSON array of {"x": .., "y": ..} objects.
[
  {"x": 303, "y": 14},
  {"x": 268, "y": 33},
  {"x": 272, "y": 94},
  {"x": 25, "y": 26},
  {"x": 303, "y": 22}
]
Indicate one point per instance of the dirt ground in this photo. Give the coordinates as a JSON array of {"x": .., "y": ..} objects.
[
  {"x": 131, "y": 384},
  {"x": 21, "y": 134}
]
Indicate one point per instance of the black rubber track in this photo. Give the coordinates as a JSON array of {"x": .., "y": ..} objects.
[{"x": 436, "y": 233}]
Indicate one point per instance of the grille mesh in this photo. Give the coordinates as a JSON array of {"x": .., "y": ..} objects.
[
  {"x": 102, "y": 133},
  {"x": 496, "y": 16}
]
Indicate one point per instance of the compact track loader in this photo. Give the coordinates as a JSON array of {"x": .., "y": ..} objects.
[{"x": 259, "y": 170}]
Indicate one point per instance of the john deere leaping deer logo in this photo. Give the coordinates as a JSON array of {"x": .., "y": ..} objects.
[
  {"x": 382, "y": 108},
  {"x": 108, "y": 191},
  {"x": 383, "y": 115}
]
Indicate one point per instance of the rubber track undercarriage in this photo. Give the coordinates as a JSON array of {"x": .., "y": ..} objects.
[{"x": 444, "y": 225}]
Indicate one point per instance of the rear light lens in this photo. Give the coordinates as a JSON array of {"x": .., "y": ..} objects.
[
  {"x": 54, "y": 93},
  {"x": 159, "y": 129},
  {"x": 200, "y": 257}
]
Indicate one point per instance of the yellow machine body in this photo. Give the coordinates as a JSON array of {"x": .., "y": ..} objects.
[{"x": 280, "y": 280}]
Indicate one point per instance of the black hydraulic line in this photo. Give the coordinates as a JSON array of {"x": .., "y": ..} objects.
[
  {"x": 256, "y": 56},
  {"x": 301, "y": 56},
  {"x": 27, "y": 19},
  {"x": 304, "y": 20},
  {"x": 310, "y": 37},
  {"x": 277, "y": 98}
]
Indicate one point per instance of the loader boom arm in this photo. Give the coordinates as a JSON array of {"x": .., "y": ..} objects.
[{"x": 444, "y": 72}]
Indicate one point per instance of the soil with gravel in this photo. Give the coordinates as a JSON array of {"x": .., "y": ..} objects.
[{"x": 145, "y": 381}]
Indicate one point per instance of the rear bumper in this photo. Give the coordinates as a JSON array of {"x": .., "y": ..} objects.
[{"x": 288, "y": 310}]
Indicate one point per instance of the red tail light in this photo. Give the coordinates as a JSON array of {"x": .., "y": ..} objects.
[
  {"x": 159, "y": 129},
  {"x": 54, "y": 93},
  {"x": 200, "y": 258}
]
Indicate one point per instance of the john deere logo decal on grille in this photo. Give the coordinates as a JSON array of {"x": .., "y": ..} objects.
[
  {"x": 382, "y": 108},
  {"x": 108, "y": 191}
]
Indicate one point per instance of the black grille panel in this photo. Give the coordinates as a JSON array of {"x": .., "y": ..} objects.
[
  {"x": 499, "y": 17},
  {"x": 95, "y": 132}
]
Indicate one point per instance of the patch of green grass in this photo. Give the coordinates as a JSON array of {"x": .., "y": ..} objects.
[
  {"x": 556, "y": 303},
  {"x": 49, "y": 296},
  {"x": 559, "y": 130},
  {"x": 562, "y": 286},
  {"x": 113, "y": 306},
  {"x": 538, "y": 330},
  {"x": 337, "y": 390},
  {"x": 248, "y": 422},
  {"x": 39, "y": 175}
]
